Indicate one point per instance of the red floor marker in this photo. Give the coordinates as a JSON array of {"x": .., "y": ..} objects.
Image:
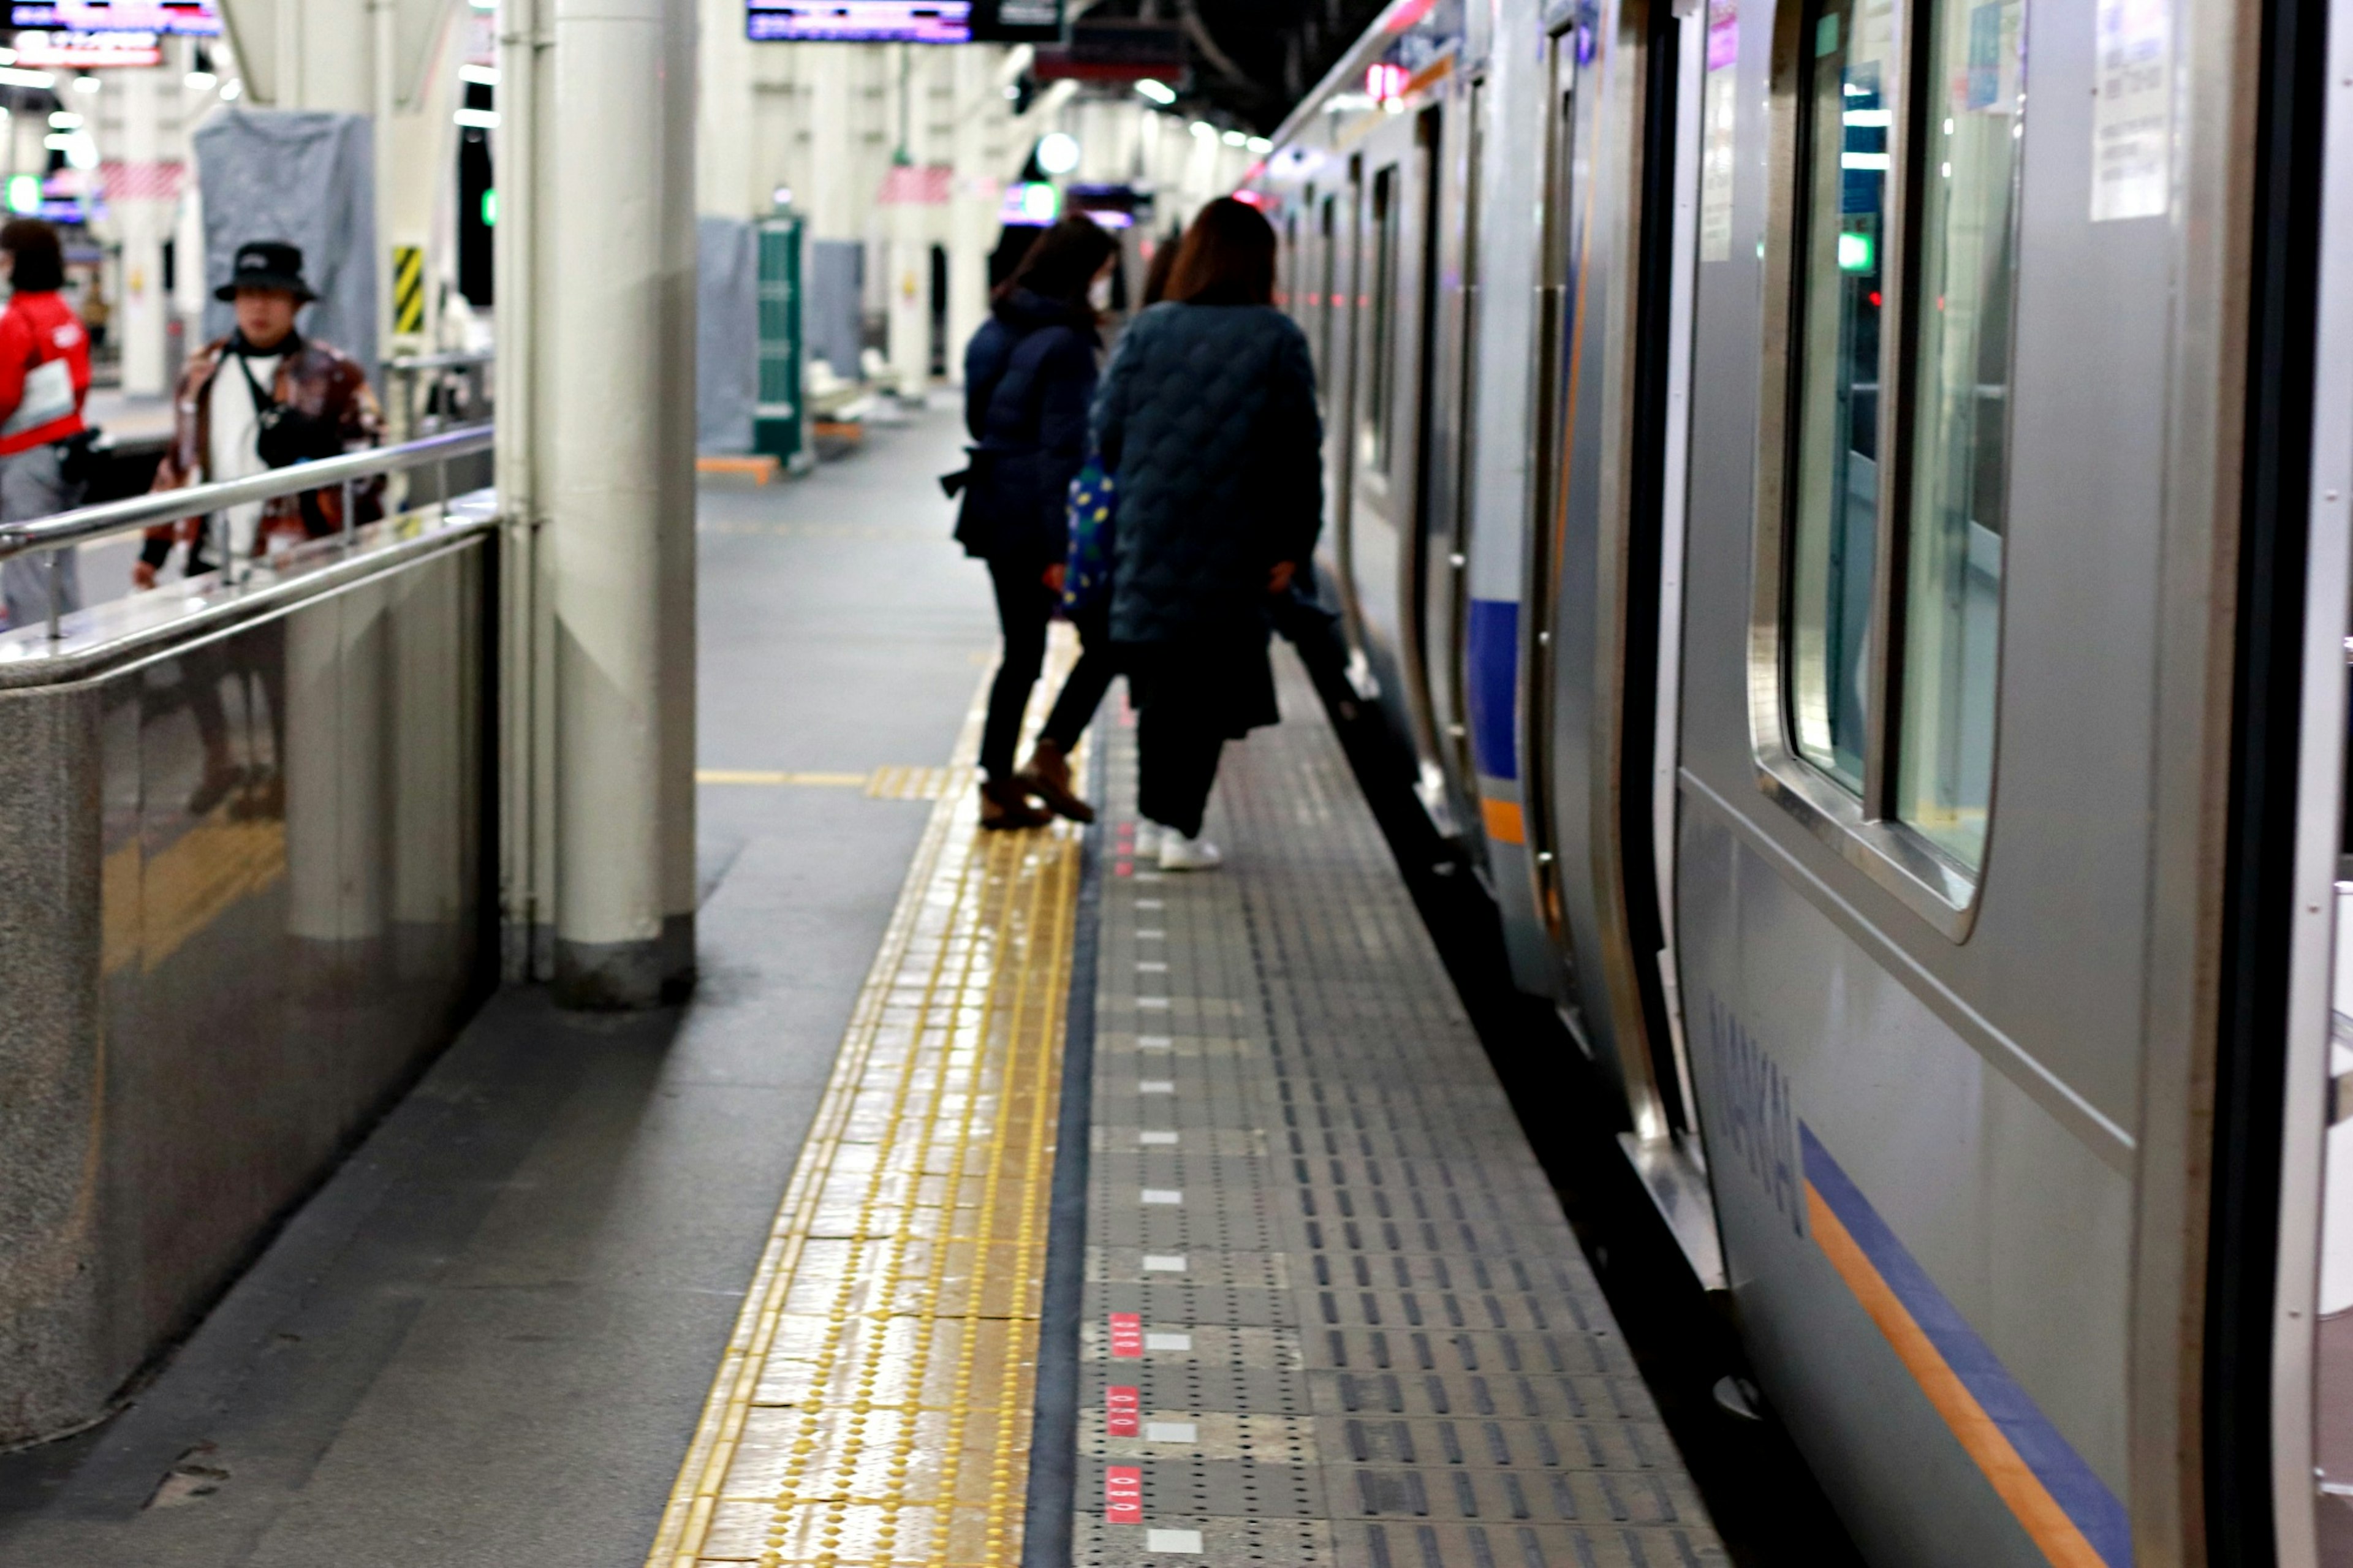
[
  {"x": 1126, "y": 1336},
  {"x": 1122, "y": 1495},
  {"x": 1122, "y": 1413}
]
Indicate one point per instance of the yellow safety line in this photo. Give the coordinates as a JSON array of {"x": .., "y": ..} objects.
[
  {"x": 837, "y": 1430},
  {"x": 892, "y": 781},
  {"x": 763, "y": 776}
]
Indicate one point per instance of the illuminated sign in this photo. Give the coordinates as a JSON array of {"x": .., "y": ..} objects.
[
  {"x": 1034, "y": 203},
  {"x": 200, "y": 18},
  {"x": 860, "y": 21},
  {"x": 88, "y": 51}
]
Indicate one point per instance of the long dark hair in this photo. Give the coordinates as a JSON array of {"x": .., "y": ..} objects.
[
  {"x": 40, "y": 260},
  {"x": 1060, "y": 264},
  {"x": 1228, "y": 257}
]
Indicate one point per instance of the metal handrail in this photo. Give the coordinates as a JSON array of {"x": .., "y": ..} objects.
[
  {"x": 60, "y": 530},
  {"x": 455, "y": 358},
  {"x": 88, "y": 523}
]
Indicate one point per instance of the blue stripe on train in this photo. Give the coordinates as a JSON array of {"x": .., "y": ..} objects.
[
  {"x": 1492, "y": 638},
  {"x": 2098, "y": 1512}
]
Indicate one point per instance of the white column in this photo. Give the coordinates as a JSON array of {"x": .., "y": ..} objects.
[
  {"x": 611, "y": 326},
  {"x": 143, "y": 217},
  {"x": 973, "y": 200}
]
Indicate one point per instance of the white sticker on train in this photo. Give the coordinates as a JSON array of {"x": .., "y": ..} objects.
[{"x": 2131, "y": 110}]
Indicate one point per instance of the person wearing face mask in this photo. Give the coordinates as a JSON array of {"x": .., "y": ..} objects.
[
  {"x": 44, "y": 377},
  {"x": 263, "y": 397},
  {"x": 1029, "y": 377}
]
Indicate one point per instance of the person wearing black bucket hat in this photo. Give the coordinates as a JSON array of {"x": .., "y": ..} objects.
[
  {"x": 268, "y": 265},
  {"x": 263, "y": 397}
]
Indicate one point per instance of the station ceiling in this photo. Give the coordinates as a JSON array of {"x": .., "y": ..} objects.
[{"x": 1253, "y": 60}]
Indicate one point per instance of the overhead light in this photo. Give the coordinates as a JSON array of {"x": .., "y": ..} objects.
[
  {"x": 1204, "y": 130},
  {"x": 61, "y": 121},
  {"x": 10, "y": 76},
  {"x": 1159, "y": 93},
  {"x": 7, "y": 57},
  {"x": 480, "y": 75},
  {"x": 477, "y": 119},
  {"x": 230, "y": 89},
  {"x": 23, "y": 192},
  {"x": 1346, "y": 102},
  {"x": 85, "y": 84},
  {"x": 1260, "y": 144},
  {"x": 1235, "y": 139},
  {"x": 200, "y": 81},
  {"x": 1058, "y": 153}
]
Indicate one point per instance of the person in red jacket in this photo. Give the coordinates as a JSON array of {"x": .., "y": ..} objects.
[{"x": 44, "y": 377}]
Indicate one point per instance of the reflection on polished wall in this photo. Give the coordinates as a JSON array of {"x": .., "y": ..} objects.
[{"x": 284, "y": 824}]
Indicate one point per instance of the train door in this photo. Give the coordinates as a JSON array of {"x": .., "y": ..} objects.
[
  {"x": 1342, "y": 396},
  {"x": 1602, "y": 618},
  {"x": 2309, "y": 1325},
  {"x": 1389, "y": 518},
  {"x": 1559, "y": 248},
  {"x": 1453, "y": 381}
]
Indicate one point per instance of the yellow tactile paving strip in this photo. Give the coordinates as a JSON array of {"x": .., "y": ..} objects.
[{"x": 875, "y": 1400}]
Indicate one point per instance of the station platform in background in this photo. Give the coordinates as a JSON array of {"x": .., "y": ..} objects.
[{"x": 998, "y": 1198}]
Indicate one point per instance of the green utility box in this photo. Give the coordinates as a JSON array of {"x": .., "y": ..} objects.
[{"x": 780, "y": 417}]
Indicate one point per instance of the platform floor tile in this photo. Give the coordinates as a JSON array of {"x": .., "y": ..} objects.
[{"x": 1333, "y": 1313}]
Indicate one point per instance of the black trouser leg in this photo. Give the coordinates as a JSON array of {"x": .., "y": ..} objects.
[
  {"x": 1082, "y": 694},
  {"x": 1176, "y": 755},
  {"x": 1024, "y": 606}
]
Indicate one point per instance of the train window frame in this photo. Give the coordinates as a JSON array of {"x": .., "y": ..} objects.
[
  {"x": 1385, "y": 227},
  {"x": 1863, "y": 826}
]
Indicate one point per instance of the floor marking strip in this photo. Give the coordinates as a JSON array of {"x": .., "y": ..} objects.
[{"x": 873, "y": 1402}]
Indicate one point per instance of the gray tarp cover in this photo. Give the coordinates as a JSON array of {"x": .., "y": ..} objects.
[
  {"x": 304, "y": 176},
  {"x": 836, "y": 283},
  {"x": 726, "y": 333}
]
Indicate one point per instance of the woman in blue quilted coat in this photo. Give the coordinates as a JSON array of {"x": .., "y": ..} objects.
[
  {"x": 1207, "y": 420},
  {"x": 1028, "y": 376}
]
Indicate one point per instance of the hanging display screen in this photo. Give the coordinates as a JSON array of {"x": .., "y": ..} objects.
[
  {"x": 200, "y": 18},
  {"x": 860, "y": 21}
]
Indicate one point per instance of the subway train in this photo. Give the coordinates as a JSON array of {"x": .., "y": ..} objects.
[{"x": 1856, "y": 553}]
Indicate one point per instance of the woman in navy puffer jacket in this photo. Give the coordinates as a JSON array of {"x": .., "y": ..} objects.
[
  {"x": 1028, "y": 375},
  {"x": 1207, "y": 419}
]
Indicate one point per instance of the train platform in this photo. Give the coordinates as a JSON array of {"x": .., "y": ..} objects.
[{"x": 996, "y": 1199}]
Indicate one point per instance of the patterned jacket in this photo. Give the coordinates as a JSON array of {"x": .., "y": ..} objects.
[{"x": 312, "y": 377}]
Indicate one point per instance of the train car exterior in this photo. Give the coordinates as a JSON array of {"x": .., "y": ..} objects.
[{"x": 1849, "y": 555}]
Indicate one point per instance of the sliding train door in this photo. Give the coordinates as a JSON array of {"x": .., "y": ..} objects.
[
  {"x": 1395, "y": 540},
  {"x": 1445, "y": 588},
  {"x": 1594, "y": 626}
]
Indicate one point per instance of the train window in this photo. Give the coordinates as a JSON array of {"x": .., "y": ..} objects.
[
  {"x": 1834, "y": 531},
  {"x": 1384, "y": 322},
  {"x": 1966, "y": 182}
]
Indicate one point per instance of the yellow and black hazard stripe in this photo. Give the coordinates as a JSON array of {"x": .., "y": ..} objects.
[{"x": 407, "y": 288}]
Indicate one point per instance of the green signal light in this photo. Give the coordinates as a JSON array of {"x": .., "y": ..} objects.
[
  {"x": 490, "y": 208},
  {"x": 1856, "y": 253},
  {"x": 23, "y": 192}
]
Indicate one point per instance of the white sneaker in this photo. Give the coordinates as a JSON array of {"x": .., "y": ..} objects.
[
  {"x": 1147, "y": 840},
  {"x": 1179, "y": 853}
]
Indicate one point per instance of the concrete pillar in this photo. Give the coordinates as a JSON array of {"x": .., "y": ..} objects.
[
  {"x": 143, "y": 217},
  {"x": 609, "y": 328},
  {"x": 973, "y": 199},
  {"x": 725, "y": 171}
]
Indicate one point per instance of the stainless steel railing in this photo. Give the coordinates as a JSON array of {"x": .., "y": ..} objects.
[{"x": 64, "y": 530}]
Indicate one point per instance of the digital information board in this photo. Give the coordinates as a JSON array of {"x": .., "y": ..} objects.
[
  {"x": 904, "y": 21},
  {"x": 860, "y": 21},
  {"x": 199, "y": 17}
]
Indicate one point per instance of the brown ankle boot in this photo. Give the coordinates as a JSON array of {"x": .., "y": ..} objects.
[
  {"x": 1047, "y": 777},
  {"x": 1003, "y": 805}
]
